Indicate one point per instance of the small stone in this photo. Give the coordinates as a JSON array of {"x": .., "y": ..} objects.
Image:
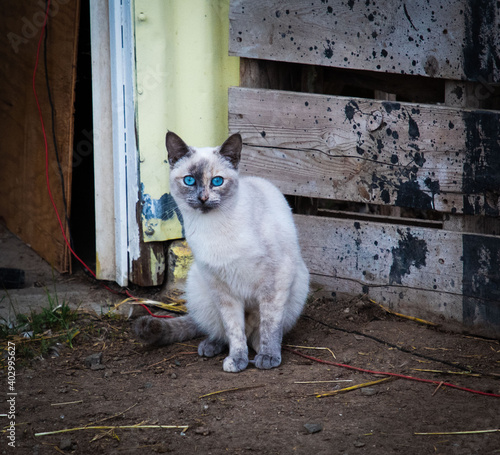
[
  {"x": 202, "y": 430},
  {"x": 359, "y": 444},
  {"x": 161, "y": 448},
  {"x": 173, "y": 376},
  {"x": 93, "y": 359},
  {"x": 66, "y": 444},
  {"x": 313, "y": 427},
  {"x": 368, "y": 391}
]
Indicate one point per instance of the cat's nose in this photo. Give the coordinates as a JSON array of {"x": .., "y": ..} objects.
[{"x": 203, "y": 197}]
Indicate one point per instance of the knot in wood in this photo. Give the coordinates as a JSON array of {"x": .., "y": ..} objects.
[{"x": 375, "y": 121}]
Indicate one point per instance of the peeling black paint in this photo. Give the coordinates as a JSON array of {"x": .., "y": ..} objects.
[
  {"x": 411, "y": 251},
  {"x": 385, "y": 196},
  {"x": 480, "y": 53},
  {"x": 481, "y": 281},
  {"x": 481, "y": 171},
  {"x": 413, "y": 130},
  {"x": 350, "y": 110},
  {"x": 389, "y": 106},
  {"x": 433, "y": 185},
  {"x": 163, "y": 208},
  {"x": 410, "y": 195},
  {"x": 419, "y": 159}
]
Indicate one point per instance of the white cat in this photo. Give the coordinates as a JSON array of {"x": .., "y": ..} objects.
[{"x": 248, "y": 282}]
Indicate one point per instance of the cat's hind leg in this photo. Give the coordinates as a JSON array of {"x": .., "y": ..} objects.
[
  {"x": 271, "y": 333},
  {"x": 279, "y": 311}
]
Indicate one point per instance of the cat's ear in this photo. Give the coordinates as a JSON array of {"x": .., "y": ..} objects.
[
  {"x": 176, "y": 148},
  {"x": 231, "y": 149}
]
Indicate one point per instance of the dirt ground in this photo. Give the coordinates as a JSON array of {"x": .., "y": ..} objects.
[{"x": 108, "y": 379}]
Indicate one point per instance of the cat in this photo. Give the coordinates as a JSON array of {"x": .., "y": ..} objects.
[{"x": 248, "y": 282}]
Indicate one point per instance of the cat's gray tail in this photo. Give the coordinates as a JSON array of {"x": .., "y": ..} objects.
[{"x": 160, "y": 332}]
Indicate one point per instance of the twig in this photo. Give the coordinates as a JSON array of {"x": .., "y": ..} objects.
[
  {"x": 116, "y": 427},
  {"x": 464, "y": 373},
  {"x": 411, "y": 318},
  {"x": 110, "y": 433},
  {"x": 312, "y": 347},
  {"x": 171, "y": 357},
  {"x": 234, "y": 389},
  {"x": 115, "y": 415},
  {"x": 488, "y": 340},
  {"x": 176, "y": 305},
  {"x": 320, "y": 382},
  {"x": 449, "y": 433},
  {"x": 354, "y": 387},
  {"x": 68, "y": 402},
  {"x": 437, "y": 388}
]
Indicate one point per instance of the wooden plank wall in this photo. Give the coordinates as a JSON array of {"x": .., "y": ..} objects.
[
  {"x": 449, "y": 39},
  {"x": 381, "y": 152},
  {"x": 25, "y": 206},
  {"x": 406, "y": 145}
]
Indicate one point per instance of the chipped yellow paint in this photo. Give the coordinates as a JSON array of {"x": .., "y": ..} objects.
[
  {"x": 97, "y": 265},
  {"x": 179, "y": 260},
  {"x": 183, "y": 259},
  {"x": 183, "y": 72}
]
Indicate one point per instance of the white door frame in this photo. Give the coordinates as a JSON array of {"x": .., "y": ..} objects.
[{"x": 115, "y": 147}]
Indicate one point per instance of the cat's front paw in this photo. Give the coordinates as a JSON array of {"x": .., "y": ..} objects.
[
  {"x": 267, "y": 361},
  {"x": 235, "y": 365},
  {"x": 148, "y": 329},
  {"x": 210, "y": 348}
]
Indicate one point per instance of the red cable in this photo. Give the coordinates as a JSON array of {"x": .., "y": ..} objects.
[
  {"x": 47, "y": 170},
  {"x": 396, "y": 375}
]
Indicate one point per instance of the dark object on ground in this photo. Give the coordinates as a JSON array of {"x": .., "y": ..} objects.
[{"x": 11, "y": 278}]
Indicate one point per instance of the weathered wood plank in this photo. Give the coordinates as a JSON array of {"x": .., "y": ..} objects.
[
  {"x": 25, "y": 206},
  {"x": 421, "y": 270},
  {"x": 407, "y": 155},
  {"x": 446, "y": 39}
]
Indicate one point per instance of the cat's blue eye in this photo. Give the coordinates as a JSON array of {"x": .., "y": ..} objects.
[
  {"x": 189, "y": 180},
  {"x": 217, "y": 181}
]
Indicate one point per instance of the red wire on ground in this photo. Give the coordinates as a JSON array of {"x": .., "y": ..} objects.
[
  {"x": 396, "y": 375},
  {"x": 44, "y": 26}
]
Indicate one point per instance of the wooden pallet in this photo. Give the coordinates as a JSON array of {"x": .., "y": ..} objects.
[{"x": 370, "y": 114}]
